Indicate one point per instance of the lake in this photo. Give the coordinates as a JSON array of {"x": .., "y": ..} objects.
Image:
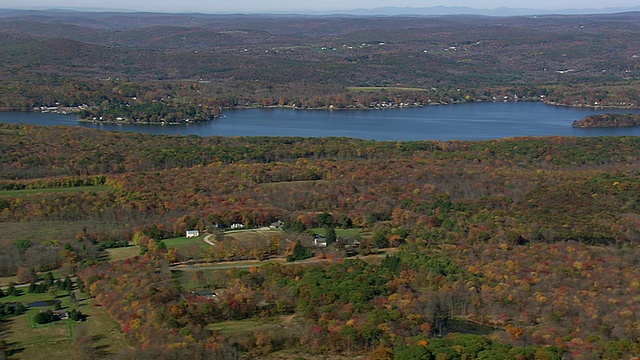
[{"x": 473, "y": 121}]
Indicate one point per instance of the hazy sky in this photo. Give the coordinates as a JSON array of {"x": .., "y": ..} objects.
[{"x": 248, "y": 6}]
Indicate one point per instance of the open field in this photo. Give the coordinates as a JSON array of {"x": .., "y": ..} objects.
[
  {"x": 251, "y": 235},
  {"x": 182, "y": 242},
  {"x": 342, "y": 233},
  {"x": 26, "y": 192},
  {"x": 27, "y": 340},
  {"x": 38, "y": 231},
  {"x": 248, "y": 326},
  {"x": 5, "y": 281},
  {"x": 123, "y": 253}
]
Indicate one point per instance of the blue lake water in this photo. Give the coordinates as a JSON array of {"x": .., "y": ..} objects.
[{"x": 473, "y": 121}]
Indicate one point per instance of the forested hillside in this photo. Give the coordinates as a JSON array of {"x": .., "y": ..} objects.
[
  {"x": 167, "y": 67},
  {"x": 525, "y": 248}
]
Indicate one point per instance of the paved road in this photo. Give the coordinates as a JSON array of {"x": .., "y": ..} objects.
[{"x": 208, "y": 240}]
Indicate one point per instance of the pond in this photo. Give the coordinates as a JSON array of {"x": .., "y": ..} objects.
[{"x": 44, "y": 303}]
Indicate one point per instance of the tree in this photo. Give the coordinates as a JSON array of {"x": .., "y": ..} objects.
[
  {"x": 331, "y": 235},
  {"x": 296, "y": 226},
  {"x": 382, "y": 352},
  {"x": 49, "y": 279},
  {"x": 380, "y": 240},
  {"x": 26, "y": 274},
  {"x": 44, "y": 317},
  {"x": 12, "y": 291},
  {"x": 67, "y": 284},
  {"x": 365, "y": 247},
  {"x": 299, "y": 252},
  {"x": 324, "y": 220},
  {"x": 347, "y": 223},
  {"x": 414, "y": 352},
  {"x": 76, "y": 315},
  {"x": 161, "y": 246}
]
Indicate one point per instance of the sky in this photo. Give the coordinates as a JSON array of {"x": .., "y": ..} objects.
[{"x": 253, "y": 6}]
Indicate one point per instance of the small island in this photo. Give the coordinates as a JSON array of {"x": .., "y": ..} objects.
[{"x": 608, "y": 120}]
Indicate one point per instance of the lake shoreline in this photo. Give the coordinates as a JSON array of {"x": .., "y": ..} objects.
[
  {"x": 68, "y": 110},
  {"x": 464, "y": 121}
]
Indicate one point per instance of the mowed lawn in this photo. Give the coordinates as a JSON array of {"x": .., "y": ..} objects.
[
  {"x": 182, "y": 242},
  {"x": 28, "y": 340}
]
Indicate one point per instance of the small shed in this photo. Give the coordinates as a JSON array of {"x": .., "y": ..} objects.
[{"x": 192, "y": 233}]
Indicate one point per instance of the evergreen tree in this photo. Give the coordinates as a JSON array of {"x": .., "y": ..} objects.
[
  {"x": 12, "y": 291},
  {"x": 299, "y": 252},
  {"x": 331, "y": 235},
  {"x": 67, "y": 284},
  {"x": 49, "y": 280},
  {"x": 20, "y": 308},
  {"x": 380, "y": 240}
]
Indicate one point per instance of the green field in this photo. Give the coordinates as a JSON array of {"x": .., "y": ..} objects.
[
  {"x": 28, "y": 340},
  {"x": 383, "y": 88},
  {"x": 26, "y": 192},
  {"x": 182, "y": 242},
  {"x": 38, "y": 231},
  {"x": 342, "y": 233}
]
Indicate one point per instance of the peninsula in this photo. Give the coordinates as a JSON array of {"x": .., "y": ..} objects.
[{"x": 608, "y": 120}]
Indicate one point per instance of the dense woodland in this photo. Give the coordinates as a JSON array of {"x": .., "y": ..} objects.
[
  {"x": 525, "y": 248},
  {"x": 608, "y": 120},
  {"x": 174, "y": 68}
]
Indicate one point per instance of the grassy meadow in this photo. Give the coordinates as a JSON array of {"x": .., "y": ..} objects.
[
  {"x": 27, "y": 192},
  {"x": 28, "y": 340}
]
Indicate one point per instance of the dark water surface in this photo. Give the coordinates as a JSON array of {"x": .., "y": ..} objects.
[{"x": 444, "y": 122}]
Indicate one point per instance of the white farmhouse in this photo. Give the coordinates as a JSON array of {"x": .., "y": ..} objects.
[{"x": 192, "y": 233}]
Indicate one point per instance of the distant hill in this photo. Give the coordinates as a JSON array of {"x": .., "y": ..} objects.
[
  {"x": 464, "y": 10},
  {"x": 380, "y": 11}
]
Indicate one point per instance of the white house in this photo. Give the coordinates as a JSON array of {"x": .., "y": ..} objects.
[
  {"x": 192, "y": 233},
  {"x": 319, "y": 240},
  {"x": 277, "y": 225},
  {"x": 236, "y": 226}
]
